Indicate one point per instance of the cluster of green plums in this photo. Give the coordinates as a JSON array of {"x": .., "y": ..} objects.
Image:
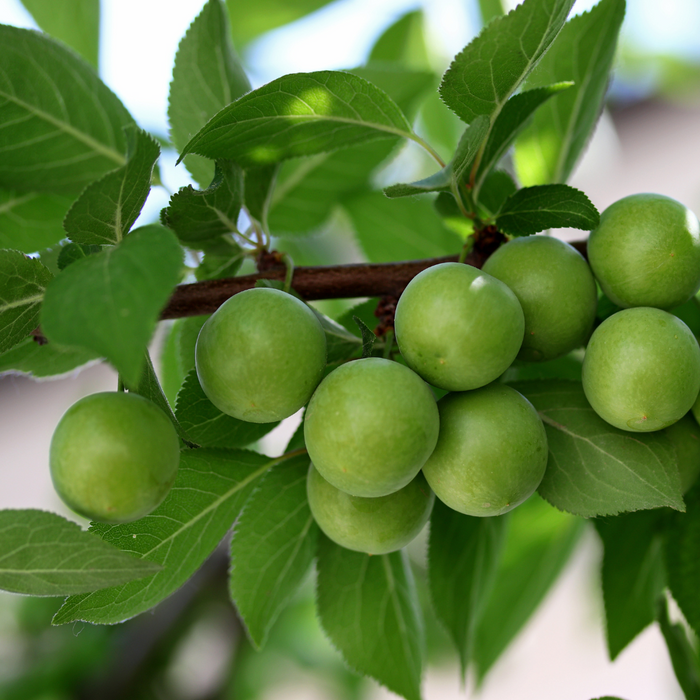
[{"x": 381, "y": 446}]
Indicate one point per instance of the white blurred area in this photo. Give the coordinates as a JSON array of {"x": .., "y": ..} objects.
[{"x": 649, "y": 147}]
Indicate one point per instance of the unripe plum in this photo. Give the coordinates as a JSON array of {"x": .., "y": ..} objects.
[
  {"x": 370, "y": 426},
  {"x": 556, "y": 289},
  {"x": 260, "y": 356},
  {"x": 372, "y": 525},
  {"x": 114, "y": 457},
  {"x": 646, "y": 252},
  {"x": 492, "y": 451},
  {"x": 685, "y": 436},
  {"x": 641, "y": 371},
  {"x": 458, "y": 327}
]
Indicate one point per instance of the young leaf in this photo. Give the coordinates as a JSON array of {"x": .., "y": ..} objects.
[
  {"x": 208, "y": 494},
  {"x": 533, "y": 209},
  {"x": 549, "y": 149},
  {"x": 207, "y": 426},
  {"x": 368, "y": 337},
  {"x": 273, "y": 546},
  {"x": 633, "y": 574},
  {"x": 40, "y": 361},
  {"x": 593, "y": 468},
  {"x": 684, "y": 658},
  {"x": 487, "y": 71},
  {"x": 368, "y": 607},
  {"x": 299, "y": 115},
  {"x": 23, "y": 282},
  {"x": 44, "y": 554},
  {"x": 207, "y": 76},
  {"x": 107, "y": 209},
  {"x": 109, "y": 302},
  {"x": 72, "y": 252},
  {"x": 463, "y": 555},
  {"x": 49, "y": 95},
  {"x": 31, "y": 221}
]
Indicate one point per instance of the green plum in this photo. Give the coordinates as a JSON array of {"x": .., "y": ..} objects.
[
  {"x": 646, "y": 252},
  {"x": 492, "y": 451},
  {"x": 641, "y": 371},
  {"x": 556, "y": 289},
  {"x": 260, "y": 356},
  {"x": 458, "y": 327},
  {"x": 372, "y": 525},
  {"x": 685, "y": 436},
  {"x": 370, "y": 426},
  {"x": 114, "y": 457}
]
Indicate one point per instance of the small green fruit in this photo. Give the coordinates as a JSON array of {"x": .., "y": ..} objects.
[
  {"x": 685, "y": 436},
  {"x": 556, "y": 290},
  {"x": 114, "y": 457},
  {"x": 641, "y": 371},
  {"x": 260, "y": 356},
  {"x": 457, "y": 327},
  {"x": 492, "y": 451},
  {"x": 370, "y": 426},
  {"x": 371, "y": 525},
  {"x": 646, "y": 252}
]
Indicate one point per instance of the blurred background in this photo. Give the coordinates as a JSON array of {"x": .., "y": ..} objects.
[{"x": 193, "y": 646}]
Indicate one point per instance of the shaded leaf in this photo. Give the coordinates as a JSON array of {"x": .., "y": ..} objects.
[
  {"x": 684, "y": 658},
  {"x": 341, "y": 343},
  {"x": 498, "y": 186},
  {"x": 368, "y": 337},
  {"x": 39, "y": 361},
  {"x": 75, "y": 251},
  {"x": 259, "y": 186}
]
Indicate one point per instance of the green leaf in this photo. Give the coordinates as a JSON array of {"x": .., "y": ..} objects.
[
  {"x": 76, "y": 23},
  {"x": 299, "y": 115},
  {"x": 23, "y": 282},
  {"x": 404, "y": 229},
  {"x": 273, "y": 547},
  {"x": 533, "y": 209},
  {"x": 50, "y": 96},
  {"x": 365, "y": 310},
  {"x": 463, "y": 555},
  {"x": 490, "y": 9},
  {"x": 487, "y": 71},
  {"x": 538, "y": 545},
  {"x": 44, "y": 554},
  {"x": 567, "y": 367},
  {"x": 31, "y": 221},
  {"x": 368, "y": 337},
  {"x": 209, "y": 493},
  {"x": 593, "y": 468},
  {"x": 549, "y": 149},
  {"x": 633, "y": 574},
  {"x": 199, "y": 218},
  {"x": 498, "y": 186},
  {"x": 258, "y": 188},
  {"x": 341, "y": 343},
  {"x": 107, "y": 209},
  {"x": 109, "y": 302},
  {"x": 368, "y": 607},
  {"x": 72, "y": 252},
  {"x": 684, "y": 658},
  {"x": 40, "y": 361},
  {"x": 222, "y": 262},
  {"x": 206, "y": 425},
  {"x": 403, "y": 42},
  {"x": 206, "y": 77}
]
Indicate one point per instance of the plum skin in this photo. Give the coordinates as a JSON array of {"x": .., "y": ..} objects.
[
  {"x": 114, "y": 457},
  {"x": 646, "y": 252},
  {"x": 458, "y": 327},
  {"x": 260, "y": 356},
  {"x": 370, "y": 426},
  {"x": 641, "y": 371},
  {"x": 492, "y": 451},
  {"x": 371, "y": 525},
  {"x": 556, "y": 289}
]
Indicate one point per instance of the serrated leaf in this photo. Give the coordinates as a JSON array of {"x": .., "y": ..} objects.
[
  {"x": 107, "y": 209},
  {"x": 72, "y": 252},
  {"x": 299, "y": 115},
  {"x": 633, "y": 574},
  {"x": 534, "y": 209},
  {"x": 200, "y": 217},
  {"x": 684, "y": 657},
  {"x": 273, "y": 547},
  {"x": 206, "y": 425},
  {"x": 50, "y": 96},
  {"x": 40, "y": 361},
  {"x": 109, "y": 302},
  {"x": 76, "y": 23},
  {"x": 368, "y": 337},
  {"x": 23, "y": 282},
  {"x": 539, "y": 542},
  {"x": 31, "y": 221},
  {"x": 368, "y": 607},
  {"x": 206, "y": 77},
  {"x": 43, "y": 554},
  {"x": 593, "y": 468},
  {"x": 209, "y": 492},
  {"x": 488, "y": 71},
  {"x": 549, "y": 149},
  {"x": 463, "y": 556}
]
